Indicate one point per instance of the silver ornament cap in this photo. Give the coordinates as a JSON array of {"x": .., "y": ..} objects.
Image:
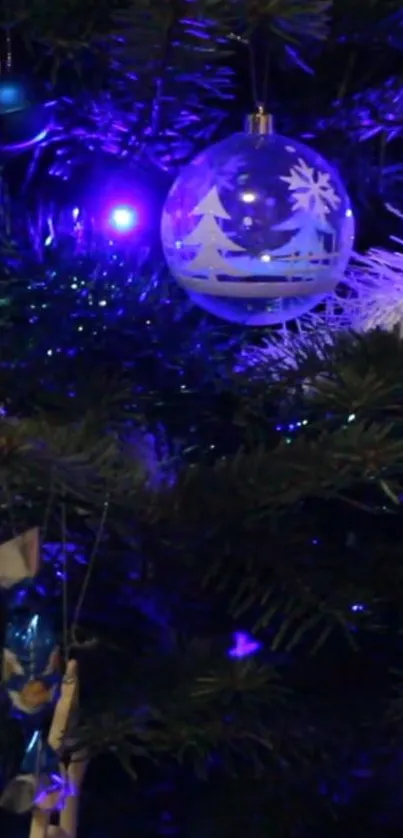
[{"x": 259, "y": 123}]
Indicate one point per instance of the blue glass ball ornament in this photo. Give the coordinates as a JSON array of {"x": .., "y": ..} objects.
[
  {"x": 24, "y": 118},
  {"x": 258, "y": 229}
]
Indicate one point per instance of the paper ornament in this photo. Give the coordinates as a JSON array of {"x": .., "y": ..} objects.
[{"x": 19, "y": 558}]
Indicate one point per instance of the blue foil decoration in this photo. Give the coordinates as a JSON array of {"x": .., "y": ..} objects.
[
  {"x": 39, "y": 776},
  {"x": 39, "y": 758},
  {"x": 31, "y": 678},
  {"x": 31, "y": 668}
]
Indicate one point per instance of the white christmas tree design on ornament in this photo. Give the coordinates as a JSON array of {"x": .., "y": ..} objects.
[
  {"x": 210, "y": 238},
  {"x": 299, "y": 255},
  {"x": 312, "y": 197},
  {"x": 215, "y": 257},
  {"x": 306, "y": 247}
]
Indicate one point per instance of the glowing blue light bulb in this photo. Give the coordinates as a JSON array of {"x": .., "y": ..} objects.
[
  {"x": 12, "y": 97},
  {"x": 124, "y": 219}
]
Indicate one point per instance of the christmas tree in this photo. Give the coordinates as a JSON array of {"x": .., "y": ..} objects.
[
  {"x": 211, "y": 239},
  {"x": 308, "y": 240},
  {"x": 219, "y": 511}
]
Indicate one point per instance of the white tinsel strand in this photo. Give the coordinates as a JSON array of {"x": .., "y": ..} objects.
[
  {"x": 315, "y": 332},
  {"x": 379, "y": 283}
]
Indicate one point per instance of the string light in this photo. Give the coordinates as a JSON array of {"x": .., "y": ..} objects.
[{"x": 244, "y": 645}]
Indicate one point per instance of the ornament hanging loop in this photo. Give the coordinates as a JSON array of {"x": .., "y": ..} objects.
[{"x": 259, "y": 123}]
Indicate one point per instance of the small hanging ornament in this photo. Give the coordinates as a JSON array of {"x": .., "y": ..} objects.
[
  {"x": 30, "y": 658},
  {"x": 30, "y": 666},
  {"x": 24, "y": 118},
  {"x": 258, "y": 228}
]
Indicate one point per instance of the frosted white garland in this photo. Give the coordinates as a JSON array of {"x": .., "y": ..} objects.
[
  {"x": 379, "y": 281},
  {"x": 314, "y": 332},
  {"x": 379, "y": 284},
  {"x": 369, "y": 297}
]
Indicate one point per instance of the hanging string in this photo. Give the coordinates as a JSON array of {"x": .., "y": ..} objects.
[
  {"x": 253, "y": 78},
  {"x": 38, "y": 761},
  {"x": 65, "y": 615},
  {"x": 266, "y": 79},
  {"x": 49, "y": 505},
  {"x": 260, "y": 98},
  {"x": 9, "y": 503},
  {"x": 88, "y": 575}
]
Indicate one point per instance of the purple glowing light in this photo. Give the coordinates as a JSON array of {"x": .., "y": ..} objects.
[
  {"x": 27, "y": 144},
  {"x": 124, "y": 219},
  {"x": 57, "y": 786},
  {"x": 244, "y": 645}
]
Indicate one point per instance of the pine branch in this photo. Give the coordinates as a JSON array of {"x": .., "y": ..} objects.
[
  {"x": 178, "y": 52},
  {"x": 292, "y": 20},
  {"x": 72, "y": 463},
  {"x": 231, "y": 708},
  {"x": 245, "y": 511}
]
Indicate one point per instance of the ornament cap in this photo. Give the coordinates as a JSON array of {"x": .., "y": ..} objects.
[{"x": 260, "y": 122}]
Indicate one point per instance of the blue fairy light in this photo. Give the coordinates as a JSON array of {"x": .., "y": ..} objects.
[
  {"x": 13, "y": 97},
  {"x": 124, "y": 219},
  {"x": 244, "y": 645}
]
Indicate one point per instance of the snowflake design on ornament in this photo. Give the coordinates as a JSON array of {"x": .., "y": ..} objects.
[{"x": 311, "y": 190}]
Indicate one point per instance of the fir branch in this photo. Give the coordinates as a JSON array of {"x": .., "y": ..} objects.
[
  {"x": 173, "y": 45},
  {"x": 293, "y": 20},
  {"x": 38, "y": 457},
  {"x": 209, "y": 712}
]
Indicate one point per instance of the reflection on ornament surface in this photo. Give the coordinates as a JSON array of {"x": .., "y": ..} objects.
[{"x": 258, "y": 229}]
